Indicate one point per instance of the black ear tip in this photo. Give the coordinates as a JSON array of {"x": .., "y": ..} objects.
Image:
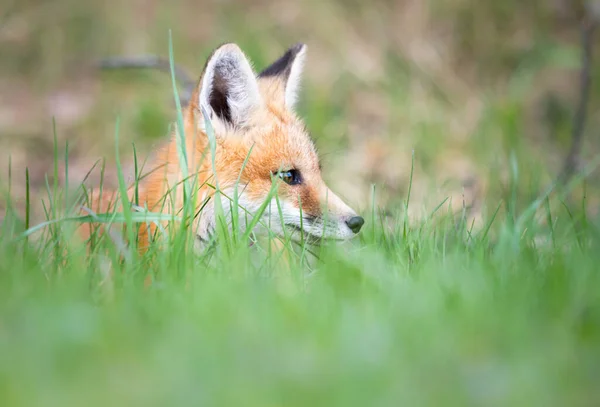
[
  {"x": 283, "y": 65},
  {"x": 297, "y": 48}
]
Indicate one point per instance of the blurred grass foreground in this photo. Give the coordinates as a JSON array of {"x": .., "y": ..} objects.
[{"x": 444, "y": 122}]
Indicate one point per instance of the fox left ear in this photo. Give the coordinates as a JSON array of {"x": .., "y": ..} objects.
[
  {"x": 289, "y": 69},
  {"x": 228, "y": 89}
]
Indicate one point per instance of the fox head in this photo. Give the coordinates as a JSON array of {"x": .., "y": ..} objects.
[{"x": 259, "y": 139}]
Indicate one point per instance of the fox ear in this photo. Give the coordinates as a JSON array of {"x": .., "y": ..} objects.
[
  {"x": 289, "y": 69},
  {"x": 228, "y": 89}
]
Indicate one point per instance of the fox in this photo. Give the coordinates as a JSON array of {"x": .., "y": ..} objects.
[{"x": 258, "y": 138}]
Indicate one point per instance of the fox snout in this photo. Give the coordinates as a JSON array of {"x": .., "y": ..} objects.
[
  {"x": 324, "y": 216},
  {"x": 350, "y": 219},
  {"x": 355, "y": 223}
]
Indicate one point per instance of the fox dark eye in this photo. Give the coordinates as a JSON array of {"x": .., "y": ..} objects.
[{"x": 291, "y": 177}]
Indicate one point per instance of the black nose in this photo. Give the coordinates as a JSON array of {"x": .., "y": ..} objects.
[{"x": 355, "y": 223}]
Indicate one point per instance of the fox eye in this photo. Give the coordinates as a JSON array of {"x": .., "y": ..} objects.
[{"x": 291, "y": 177}]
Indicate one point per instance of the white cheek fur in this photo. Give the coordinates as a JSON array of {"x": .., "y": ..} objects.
[{"x": 286, "y": 222}]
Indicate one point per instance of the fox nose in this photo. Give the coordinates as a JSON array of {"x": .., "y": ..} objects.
[{"x": 355, "y": 223}]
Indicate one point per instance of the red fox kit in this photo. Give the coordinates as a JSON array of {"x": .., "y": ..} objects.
[{"x": 258, "y": 136}]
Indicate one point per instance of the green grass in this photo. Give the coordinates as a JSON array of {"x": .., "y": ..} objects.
[{"x": 429, "y": 313}]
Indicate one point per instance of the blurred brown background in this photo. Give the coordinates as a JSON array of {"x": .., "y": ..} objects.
[{"x": 467, "y": 85}]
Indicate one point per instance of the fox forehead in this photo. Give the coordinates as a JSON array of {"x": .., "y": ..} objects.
[
  {"x": 285, "y": 141},
  {"x": 274, "y": 140}
]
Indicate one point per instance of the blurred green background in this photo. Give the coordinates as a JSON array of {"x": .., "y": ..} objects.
[{"x": 465, "y": 84}]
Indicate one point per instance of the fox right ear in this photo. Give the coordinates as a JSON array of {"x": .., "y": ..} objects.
[
  {"x": 228, "y": 90},
  {"x": 288, "y": 68}
]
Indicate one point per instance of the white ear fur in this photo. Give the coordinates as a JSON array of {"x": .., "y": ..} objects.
[
  {"x": 294, "y": 80},
  {"x": 229, "y": 89}
]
